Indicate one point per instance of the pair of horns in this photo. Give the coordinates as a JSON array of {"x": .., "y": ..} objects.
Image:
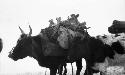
[{"x": 23, "y": 31}]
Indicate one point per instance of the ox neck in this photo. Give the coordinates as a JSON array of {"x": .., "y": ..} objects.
[{"x": 36, "y": 47}]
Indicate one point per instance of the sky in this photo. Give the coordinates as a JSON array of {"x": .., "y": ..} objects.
[{"x": 98, "y": 14}]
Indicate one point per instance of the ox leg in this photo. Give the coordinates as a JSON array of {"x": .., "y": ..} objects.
[
  {"x": 53, "y": 71},
  {"x": 60, "y": 69},
  {"x": 65, "y": 69},
  {"x": 79, "y": 66},
  {"x": 88, "y": 70}
]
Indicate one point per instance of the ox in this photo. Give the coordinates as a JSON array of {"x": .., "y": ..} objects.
[{"x": 32, "y": 46}]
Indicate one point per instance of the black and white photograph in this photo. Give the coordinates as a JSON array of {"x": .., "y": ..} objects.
[{"x": 62, "y": 37}]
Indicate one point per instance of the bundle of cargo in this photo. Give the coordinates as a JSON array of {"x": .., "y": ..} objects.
[{"x": 63, "y": 32}]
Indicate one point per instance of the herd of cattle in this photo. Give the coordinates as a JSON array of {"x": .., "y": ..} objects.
[{"x": 95, "y": 50}]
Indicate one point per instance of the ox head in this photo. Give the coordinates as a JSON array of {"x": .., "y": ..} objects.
[
  {"x": 23, "y": 46},
  {"x": 114, "y": 48},
  {"x": 112, "y": 28},
  {"x": 117, "y": 27}
]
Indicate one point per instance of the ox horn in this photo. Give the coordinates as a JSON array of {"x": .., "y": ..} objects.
[
  {"x": 30, "y": 30},
  {"x": 21, "y": 30}
]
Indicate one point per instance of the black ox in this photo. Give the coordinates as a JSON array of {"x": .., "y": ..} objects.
[
  {"x": 92, "y": 49},
  {"x": 34, "y": 46}
]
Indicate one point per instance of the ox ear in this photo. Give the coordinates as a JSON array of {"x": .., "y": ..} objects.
[
  {"x": 21, "y": 30},
  {"x": 30, "y": 30}
]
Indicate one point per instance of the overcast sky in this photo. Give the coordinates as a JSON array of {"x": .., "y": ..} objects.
[{"x": 98, "y": 14}]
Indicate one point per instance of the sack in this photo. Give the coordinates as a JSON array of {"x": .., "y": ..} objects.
[
  {"x": 63, "y": 38},
  {"x": 49, "y": 48},
  {"x": 66, "y": 36}
]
